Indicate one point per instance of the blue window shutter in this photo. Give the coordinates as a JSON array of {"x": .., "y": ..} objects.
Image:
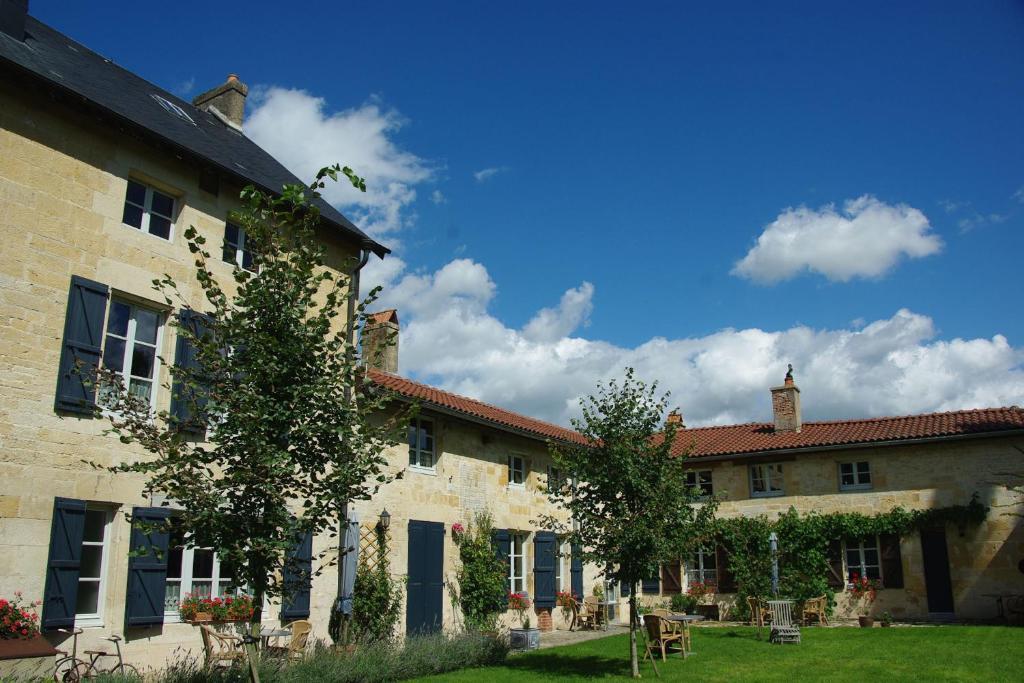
[
  {"x": 183, "y": 397},
  {"x": 500, "y": 539},
  {"x": 80, "y": 350},
  {"x": 61, "y": 591},
  {"x": 544, "y": 569},
  {"x": 147, "y": 567},
  {"x": 298, "y": 570},
  {"x": 651, "y": 586},
  {"x": 576, "y": 572}
]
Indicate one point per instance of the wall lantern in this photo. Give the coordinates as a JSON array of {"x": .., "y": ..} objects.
[{"x": 385, "y": 520}]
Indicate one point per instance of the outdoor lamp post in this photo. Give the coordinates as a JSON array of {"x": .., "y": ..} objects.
[{"x": 773, "y": 541}]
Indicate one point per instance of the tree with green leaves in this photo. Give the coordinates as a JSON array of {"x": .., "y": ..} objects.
[
  {"x": 629, "y": 507},
  {"x": 272, "y": 430}
]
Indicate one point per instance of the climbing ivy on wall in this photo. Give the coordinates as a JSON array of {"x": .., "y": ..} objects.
[{"x": 804, "y": 542}]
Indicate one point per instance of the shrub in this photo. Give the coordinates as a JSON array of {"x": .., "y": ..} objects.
[
  {"x": 376, "y": 601},
  {"x": 482, "y": 578},
  {"x": 684, "y": 602}
]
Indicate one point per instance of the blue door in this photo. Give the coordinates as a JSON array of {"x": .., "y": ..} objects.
[{"x": 426, "y": 584}]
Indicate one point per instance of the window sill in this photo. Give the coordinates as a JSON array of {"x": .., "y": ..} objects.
[
  {"x": 515, "y": 487},
  {"x": 772, "y": 494},
  {"x": 432, "y": 471},
  {"x": 89, "y": 622},
  {"x": 855, "y": 488}
]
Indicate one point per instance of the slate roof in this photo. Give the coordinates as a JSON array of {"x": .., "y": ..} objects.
[
  {"x": 499, "y": 417},
  {"x": 761, "y": 437},
  {"x": 93, "y": 80}
]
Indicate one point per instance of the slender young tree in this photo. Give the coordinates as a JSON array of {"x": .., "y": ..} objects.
[
  {"x": 627, "y": 498},
  {"x": 267, "y": 370}
]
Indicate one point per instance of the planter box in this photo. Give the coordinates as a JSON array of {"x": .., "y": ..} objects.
[
  {"x": 709, "y": 612},
  {"x": 26, "y": 659},
  {"x": 866, "y": 622},
  {"x": 524, "y": 638}
]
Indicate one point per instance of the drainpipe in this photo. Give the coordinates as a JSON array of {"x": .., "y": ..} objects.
[{"x": 364, "y": 256}]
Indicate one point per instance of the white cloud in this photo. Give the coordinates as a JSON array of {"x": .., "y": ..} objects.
[
  {"x": 1019, "y": 194},
  {"x": 185, "y": 88},
  {"x": 865, "y": 239},
  {"x": 298, "y": 129},
  {"x": 437, "y": 197},
  {"x": 895, "y": 365},
  {"x": 979, "y": 221},
  {"x": 950, "y": 206},
  {"x": 485, "y": 174}
]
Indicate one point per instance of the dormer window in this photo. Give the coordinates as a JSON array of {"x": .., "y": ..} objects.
[{"x": 148, "y": 210}]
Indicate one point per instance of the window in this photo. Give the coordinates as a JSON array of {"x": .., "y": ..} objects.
[
  {"x": 516, "y": 470},
  {"x": 92, "y": 577},
  {"x": 555, "y": 480},
  {"x": 702, "y": 567},
  {"x": 516, "y": 563},
  {"x": 193, "y": 570},
  {"x": 421, "y": 443},
  {"x": 130, "y": 348},
  {"x": 172, "y": 108},
  {"x": 562, "y": 560},
  {"x": 766, "y": 480},
  {"x": 854, "y": 476},
  {"x": 236, "y": 248},
  {"x": 862, "y": 558},
  {"x": 148, "y": 210},
  {"x": 700, "y": 479}
]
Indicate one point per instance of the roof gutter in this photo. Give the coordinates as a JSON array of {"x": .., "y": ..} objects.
[{"x": 849, "y": 446}]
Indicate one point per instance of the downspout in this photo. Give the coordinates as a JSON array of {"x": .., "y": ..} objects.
[{"x": 364, "y": 256}]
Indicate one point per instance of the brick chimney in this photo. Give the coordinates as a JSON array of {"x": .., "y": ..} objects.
[
  {"x": 676, "y": 418},
  {"x": 786, "y": 405},
  {"x": 226, "y": 101},
  {"x": 12, "y": 18},
  {"x": 380, "y": 341}
]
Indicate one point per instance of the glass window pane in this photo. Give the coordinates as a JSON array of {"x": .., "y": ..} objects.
[
  {"x": 231, "y": 234},
  {"x": 159, "y": 226},
  {"x": 132, "y": 216},
  {"x": 88, "y": 597},
  {"x": 143, "y": 361},
  {"x": 247, "y": 259},
  {"x": 162, "y": 204},
  {"x": 136, "y": 193},
  {"x": 140, "y": 388},
  {"x": 426, "y": 460},
  {"x": 92, "y": 561},
  {"x": 863, "y": 467},
  {"x": 202, "y": 588},
  {"x": 146, "y": 324},
  {"x": 113, "y": 354},
  {"x": 174, "y": 557},
  {"x": 172, "y": 596},
  {"x": 853, "y": 557},
  {"x": 95, "y": 523},
  {"x": 229, "y": 254},
  {"x": 413, "y": 436},
  {"x": 202, "y": 563},
  {"x": 846, "y": 468},
  {"x": 872, "y": 572},
  {"x": 870, "y": 556},
  {"x": 117, "y": 320},
  {"x": 847, "y": 479}
]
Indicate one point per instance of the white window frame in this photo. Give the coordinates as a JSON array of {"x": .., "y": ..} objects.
[
  {"x": 698, "y": 484},
  {"x": 416, "y": 453},
  {"x": 512, "y": 469},
  {"x": 96, "y": 620},
  {"x": 861, "y": 567},
  {"x": 147, "y": 208},
  {"x": 129, "y": 346},
  {"x": 240, "y": 248},
  {"x": 696, "y": 569},
  {"x": 186, "y": 579},
  {"x": 771, "y": 479},
  {"x": 857, "y": 484},
  {"x": 517, "y": 562},
  {"x": 562, "y": 568}
]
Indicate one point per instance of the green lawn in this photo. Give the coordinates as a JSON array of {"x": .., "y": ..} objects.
[{"x": 944, "y": 653}]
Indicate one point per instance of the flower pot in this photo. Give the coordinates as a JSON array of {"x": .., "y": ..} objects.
[
  {"x": 202, "y": 616},
  {"x": 524, "y": 638},
  {"x": 26, "y": 658},
  {"x": 866, "y": 622}
]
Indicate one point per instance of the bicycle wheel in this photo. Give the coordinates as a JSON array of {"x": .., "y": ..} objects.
[
  {"x": 126, "y": 671},
  {"x": 70, "y": 670}
]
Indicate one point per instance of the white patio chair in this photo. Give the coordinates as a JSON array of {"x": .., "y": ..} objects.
[{"x": 783, "y": 628}]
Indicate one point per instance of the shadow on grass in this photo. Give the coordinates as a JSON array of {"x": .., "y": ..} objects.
[{"x": 566, "y": 666}]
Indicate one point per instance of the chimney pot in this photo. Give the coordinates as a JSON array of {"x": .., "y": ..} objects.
[
  {"x": 380, "y": 341},
  {"x": 675, "y": 417},
  {"x": 786, "y": 405},
  {"x": 226, "y": 100}
]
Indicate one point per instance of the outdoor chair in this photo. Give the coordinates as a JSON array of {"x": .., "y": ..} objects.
[
  {"x": 221, "y": 648},
  {"x": 581, "y": 617},
  {"x": 759, "y": 614},
  {"x": 594, "y": 607},
  {"x": 783, "y": 628},
  {"x": 680, "y": 627},
  {"x": 296, "y": 649},
  {"x": 816, "y": 608},
  {"x": 661, "y": 637}
]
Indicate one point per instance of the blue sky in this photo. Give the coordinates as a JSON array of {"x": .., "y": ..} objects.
[{"x": 524, "y": 150}]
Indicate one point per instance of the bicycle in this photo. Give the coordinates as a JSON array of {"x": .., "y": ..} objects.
[{"x": 71, "y": 669}]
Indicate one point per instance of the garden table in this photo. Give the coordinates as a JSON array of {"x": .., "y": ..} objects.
[
  {"x": 685, "y": 620},
  {"x": 268, "y": 632}
]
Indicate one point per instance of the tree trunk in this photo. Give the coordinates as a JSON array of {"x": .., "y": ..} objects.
[
  {"x": 252, "y": 655},
  {"x": 633, "y": 661}
]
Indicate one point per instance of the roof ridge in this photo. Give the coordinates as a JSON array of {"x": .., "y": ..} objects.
[{"x": 914, "y": 416}]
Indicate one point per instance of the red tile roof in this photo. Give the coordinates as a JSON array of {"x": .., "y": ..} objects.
[
  {"x": 473, "y": 408},
  {"x": 761, "y": 437}
]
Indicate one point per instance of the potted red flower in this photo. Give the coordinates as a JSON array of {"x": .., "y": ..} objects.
[
  {"x": 24, "y": 653},
  {"x": 863, "y": 592}
]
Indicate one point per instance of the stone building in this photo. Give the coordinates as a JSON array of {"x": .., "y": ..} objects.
[
  {"x": 870, "y": 466},
  {"x": 100, "y": 173}
]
